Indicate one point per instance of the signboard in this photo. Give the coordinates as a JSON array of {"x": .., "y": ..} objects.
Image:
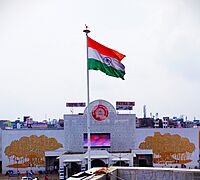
[
  {"x": 97, "y": 140},
  {"x": 100, "y": 112},
  {"x": 81, "y": 104},
  {"x": 122, "y": 105}
]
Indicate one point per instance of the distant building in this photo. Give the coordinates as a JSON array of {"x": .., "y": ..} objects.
[
  {"x": 165, "y": 122},
  {"x": 3, "y": 124},
  {"x": 61, "y": 122},
  {"x": 144, "y": 123},
  {"x": 158, "y": 123}
]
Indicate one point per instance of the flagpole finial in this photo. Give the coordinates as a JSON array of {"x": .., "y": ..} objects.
[{"x": 86, "y": 29}]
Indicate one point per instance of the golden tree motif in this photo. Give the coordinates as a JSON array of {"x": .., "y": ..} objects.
[
  {"x": 169, "y": 148},
  {"x": 31, "y": 150}
]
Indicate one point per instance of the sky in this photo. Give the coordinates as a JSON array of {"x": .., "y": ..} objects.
[{"x": 43, "y": 56}]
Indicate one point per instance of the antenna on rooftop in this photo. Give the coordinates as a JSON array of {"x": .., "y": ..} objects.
[
  {"x": 72, "y": 110},
  {"x": 144, "y": 111},
  {"x": 156, "y": 116}
]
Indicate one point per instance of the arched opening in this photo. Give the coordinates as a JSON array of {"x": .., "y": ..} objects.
[
  {"x": 97, "y": 163},
  {"x": 73, "y": 168},
  {"x": 121, "y": 163}
]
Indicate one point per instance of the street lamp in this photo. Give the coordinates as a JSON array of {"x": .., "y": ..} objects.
[
  {"x": 120, "y": 160},
  {"x": 17, "y": 167}
]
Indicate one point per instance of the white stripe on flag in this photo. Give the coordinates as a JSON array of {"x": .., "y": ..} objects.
[{"x": 94, "y": 54}]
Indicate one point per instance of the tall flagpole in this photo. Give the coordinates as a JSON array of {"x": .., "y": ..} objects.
[{"x": 87, "y": 31}]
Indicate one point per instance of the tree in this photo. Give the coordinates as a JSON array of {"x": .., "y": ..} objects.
[
  {"x": 169, "y": 148},
  {"x": 31, "y": 150}
]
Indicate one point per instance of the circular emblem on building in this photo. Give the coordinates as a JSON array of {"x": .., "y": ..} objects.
[{"x": 100, "y": 112}]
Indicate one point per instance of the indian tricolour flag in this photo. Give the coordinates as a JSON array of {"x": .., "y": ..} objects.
[{"x": 105, "y": 59}]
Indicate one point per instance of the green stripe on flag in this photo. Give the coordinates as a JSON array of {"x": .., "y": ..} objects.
[{"x": 110, "y": 71}]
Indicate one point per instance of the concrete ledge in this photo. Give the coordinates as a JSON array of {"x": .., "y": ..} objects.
[{"x": 140, "y": 173}]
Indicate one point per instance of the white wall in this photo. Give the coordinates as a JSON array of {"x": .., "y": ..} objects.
[
  {"x": 9, "y": 136},
  {"x": 191, "y": 133}
]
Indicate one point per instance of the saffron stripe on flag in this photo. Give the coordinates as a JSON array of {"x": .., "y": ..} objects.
[{"x": 105, "y": 50}]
